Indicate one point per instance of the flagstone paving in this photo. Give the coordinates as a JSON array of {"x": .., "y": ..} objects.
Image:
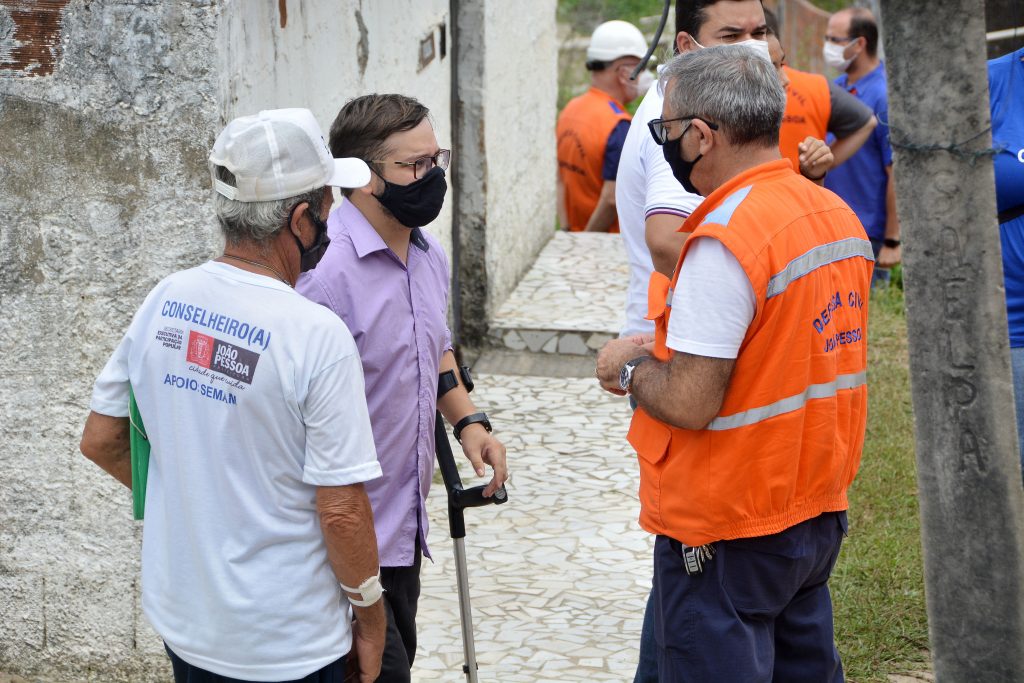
[
  {"x": 560, "y": 574},
  {"x": 571, "y": 301}
]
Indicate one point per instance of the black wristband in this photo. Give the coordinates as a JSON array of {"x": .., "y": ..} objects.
[
  {"x": 821, "y": 177},
  {"x": 890, "y": 242},
  {"x": 475, "y": 418}
]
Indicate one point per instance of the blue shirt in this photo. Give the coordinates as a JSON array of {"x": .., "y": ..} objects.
[
  {"x": 613, "y": 150},
  {"x": 1006, "y": 96},
  {"x": 861, "y": 181}
]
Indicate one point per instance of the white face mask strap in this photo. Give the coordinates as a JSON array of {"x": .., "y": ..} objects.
[{"x": 369, "y": 591}]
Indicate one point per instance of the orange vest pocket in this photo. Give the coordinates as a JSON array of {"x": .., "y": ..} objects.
[{"x": 649, "y": 437}]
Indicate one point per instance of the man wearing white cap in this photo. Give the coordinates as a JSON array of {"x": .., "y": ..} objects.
[
  {"x": 258, "y": 535},
  {"x": 593, "y": 126}
]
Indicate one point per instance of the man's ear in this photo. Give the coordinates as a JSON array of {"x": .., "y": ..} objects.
[
  {"x": 707, "y": 140},
  {"x": 298, "y": 211},
  {"x": 684, "y": 43}
]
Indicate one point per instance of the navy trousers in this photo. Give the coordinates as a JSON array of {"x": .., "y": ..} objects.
[
  {"x": 186, "y": 673},
  {"x": 759, "y": 612}
]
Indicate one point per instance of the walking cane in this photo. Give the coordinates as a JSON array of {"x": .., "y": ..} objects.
[{"x": 459, "y": 499}]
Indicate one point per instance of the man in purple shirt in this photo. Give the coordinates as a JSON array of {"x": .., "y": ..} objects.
[{"x": 388, "y": 280}]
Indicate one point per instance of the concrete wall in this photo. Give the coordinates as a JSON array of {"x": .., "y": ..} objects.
[
  {"x": 506, "y": 89},
  {"x": 103, "y": 190},
  {"x": 329, "y": 52},
  {"x": 519, "y": 107},
  {"x": 108, "y": 109}
]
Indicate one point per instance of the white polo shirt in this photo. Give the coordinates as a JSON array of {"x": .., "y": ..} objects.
[
  {"x": 252, "y": 397},
  {"x": 645, "y": 187}
]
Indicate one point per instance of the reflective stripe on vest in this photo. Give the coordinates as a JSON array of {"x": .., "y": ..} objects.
[
  {"x": 790, "y": 403},
  {"x": 810, "y": 261}
]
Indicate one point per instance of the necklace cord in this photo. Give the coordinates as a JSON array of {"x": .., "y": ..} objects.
[{"x": 259, "y": 265}]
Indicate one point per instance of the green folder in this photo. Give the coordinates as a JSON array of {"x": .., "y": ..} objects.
[{"x": 140, "y": 456}]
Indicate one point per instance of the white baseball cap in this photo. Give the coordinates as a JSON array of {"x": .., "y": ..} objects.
[
  {"x": 279, "y": 153},
  {"x": 614, "y": 39}
]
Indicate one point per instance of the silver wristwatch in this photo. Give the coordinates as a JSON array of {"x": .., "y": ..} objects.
[{"x": 626, "y": 373}]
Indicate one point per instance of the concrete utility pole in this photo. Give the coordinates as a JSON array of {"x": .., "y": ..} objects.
[{"x": 969, "y": 475}]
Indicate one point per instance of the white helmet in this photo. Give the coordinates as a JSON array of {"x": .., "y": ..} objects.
[{"x": 614, "y": 39}]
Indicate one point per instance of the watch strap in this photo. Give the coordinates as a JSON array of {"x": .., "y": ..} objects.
[
  {"x": 475, "y": 418},
  {"x": 626, "y": 374},
  {"x": 890, "y": 242}
]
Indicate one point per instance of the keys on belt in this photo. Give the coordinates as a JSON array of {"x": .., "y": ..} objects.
[{"x": 695, "y": 558}]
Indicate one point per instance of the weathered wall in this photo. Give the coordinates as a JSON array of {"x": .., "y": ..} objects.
[
  {"x": 519, "y": 135},
  {"x": 102, "y": 192},
  {"x": 329, "y": 52},
  {"x": 108, "y": 109},
  {"x": 506, "y": 92}
]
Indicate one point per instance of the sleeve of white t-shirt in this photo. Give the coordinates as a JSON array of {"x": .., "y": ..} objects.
[
  {"x": 339, "y": 440},
  {"x": 665, "y": 195},
  {"x": 713, "y": 302},
  {"x": 110, "y": 392}
]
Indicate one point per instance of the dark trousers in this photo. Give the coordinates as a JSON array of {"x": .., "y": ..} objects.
[
  {"x": 186, "y": 673},
  {"x": 401, "y": 598},
  {"x": 760, "y": 611}
]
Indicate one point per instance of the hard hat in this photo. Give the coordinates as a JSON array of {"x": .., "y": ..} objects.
[{"x": 614, "y": 39}]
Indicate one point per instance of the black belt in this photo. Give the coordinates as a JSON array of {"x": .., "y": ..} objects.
[{"x": 1010, "y": 214}]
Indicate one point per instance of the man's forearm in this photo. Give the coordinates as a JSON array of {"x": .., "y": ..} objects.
[
  {"x": 892, "y": 221},
  {"x": 604, "y": 213},
  {"x": 106, "y": 441},
  {"x": 843, "y": 149},
  {"x": 346, "y": 520},
  {"x": 456, "y": 403},
  {"x": 687, "y": 391}
]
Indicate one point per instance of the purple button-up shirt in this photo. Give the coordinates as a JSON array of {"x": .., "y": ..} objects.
[{"x": 397, "y": 314}]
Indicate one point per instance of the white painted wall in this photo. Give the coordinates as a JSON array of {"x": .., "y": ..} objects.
[
  {"x": 104, "y": 189},
  {"x": 328, "y": 53},
  {"x": 521, "y": 79}
]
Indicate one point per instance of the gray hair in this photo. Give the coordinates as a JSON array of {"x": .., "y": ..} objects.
[
  {"x": 729, "y": 85},
  {"x": 257, "y": 222}
]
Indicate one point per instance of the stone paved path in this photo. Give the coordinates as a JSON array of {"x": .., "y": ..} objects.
[{"x": 558, "y": 575}]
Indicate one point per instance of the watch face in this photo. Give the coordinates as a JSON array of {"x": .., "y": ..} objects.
[{"x": 624, "y": 376}]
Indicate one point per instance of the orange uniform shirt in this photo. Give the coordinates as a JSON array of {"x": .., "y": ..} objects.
[
  {"x": 787, "y": 441},
  {"x": 808, "y": 108},
  {"x": 583, "y": 129}
]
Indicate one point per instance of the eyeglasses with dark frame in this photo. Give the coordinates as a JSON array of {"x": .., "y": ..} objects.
[
  {"x": 838, "y": 40},
  {"x": 660, "y": 133},
  {"x": 423, "y": 164}
]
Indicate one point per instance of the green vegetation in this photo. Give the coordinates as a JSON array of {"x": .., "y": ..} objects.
[
  {"x": 878, "y": 584},
  {"x": 584, "y": 15}
]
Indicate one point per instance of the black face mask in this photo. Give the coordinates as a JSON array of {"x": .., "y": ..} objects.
[
  {"x": 311, "y": 256},
  {"x": 418, "y": 203},
  {"x": 681, "y": 169}
]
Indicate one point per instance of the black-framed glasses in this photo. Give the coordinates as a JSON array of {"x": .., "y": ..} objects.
[
  {"x": 660, "y": 133},
  {"x": 836, "y": 40},
  {"x": 423, "y": 164}
]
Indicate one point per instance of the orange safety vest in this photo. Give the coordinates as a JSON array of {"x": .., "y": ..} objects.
[
  {"x": 808, "y": 109},
  {"x": 787, "y": 441},
  {"x": 583, "y": 129}
]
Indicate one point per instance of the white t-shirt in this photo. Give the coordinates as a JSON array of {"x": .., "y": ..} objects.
[
  {"x": 713, "y": 303},
  {"x": 252, "y": 397},
  {"x": 645, "y": 186}
]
